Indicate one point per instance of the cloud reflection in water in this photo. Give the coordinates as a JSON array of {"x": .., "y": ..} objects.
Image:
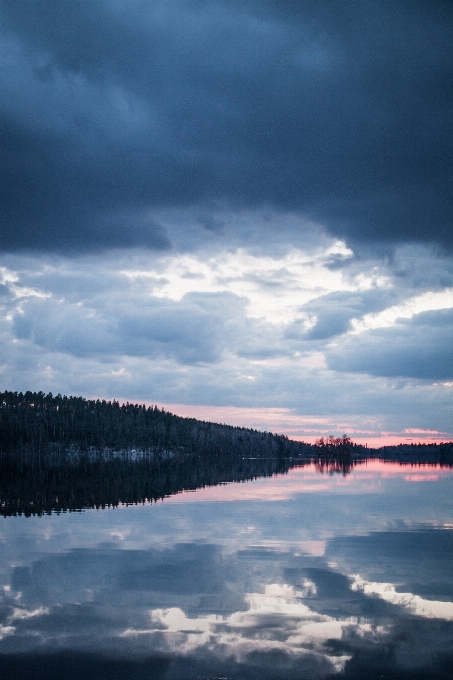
[{"x": 242, "y": 587}]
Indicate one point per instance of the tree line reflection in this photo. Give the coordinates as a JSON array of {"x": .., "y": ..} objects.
[{"x": 100, "y": 481}]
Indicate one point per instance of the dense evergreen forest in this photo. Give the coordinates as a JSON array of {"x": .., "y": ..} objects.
[
  {"x": 34, "y": 424},
  {"x": 62, "y": 453}
]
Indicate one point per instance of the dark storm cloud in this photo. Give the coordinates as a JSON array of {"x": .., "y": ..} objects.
[
  {"x": 339, "y": 111},
  {"x": 414, "y": 348}
]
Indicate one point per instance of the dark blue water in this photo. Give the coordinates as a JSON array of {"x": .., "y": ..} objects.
[{"x": 303, "y": 575}]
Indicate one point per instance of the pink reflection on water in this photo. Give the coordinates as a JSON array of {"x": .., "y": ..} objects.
[{"x": 365, "y": 477}]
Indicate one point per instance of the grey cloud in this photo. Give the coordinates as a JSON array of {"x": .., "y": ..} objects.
[
  {"x": 421, "y": 268},
  {"x": 333, "y": 312},
  {"x": 193, "y": 330},
  {"x": 417, "y": 348},
  {"x": 199, "y": 328},
  {"x": 371, "y": 403},
  {"x": 111, "y": 111},
  {"x": 334, "y": 596}
]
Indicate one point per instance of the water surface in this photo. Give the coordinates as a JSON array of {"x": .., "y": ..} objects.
[{"x": 298, "y": 575}]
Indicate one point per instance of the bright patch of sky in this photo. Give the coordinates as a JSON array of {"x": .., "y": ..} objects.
[
  {"x": 275, "y": 287},
  {"x": 428, "y": 301}
]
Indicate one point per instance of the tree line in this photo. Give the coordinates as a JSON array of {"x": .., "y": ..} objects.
[{"x": 34, "y": 424}]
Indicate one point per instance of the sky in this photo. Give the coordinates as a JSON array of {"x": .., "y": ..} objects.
[{"x": 240, "y": 211}]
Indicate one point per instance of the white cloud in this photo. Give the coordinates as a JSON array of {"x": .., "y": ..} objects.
[
  {"x": 431, "y": 609},
  {"x": 275, "y": 287},
  {"x": 297, "y": 630}
]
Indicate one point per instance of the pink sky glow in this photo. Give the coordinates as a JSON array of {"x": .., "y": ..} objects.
[{"x": 308, "y": 428}]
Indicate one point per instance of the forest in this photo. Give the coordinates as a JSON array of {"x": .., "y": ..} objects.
[
  {"x": 35, "y": 424},
  {"x": 60, "y": 453}
]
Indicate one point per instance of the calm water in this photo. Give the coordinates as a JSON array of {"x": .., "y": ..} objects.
[{"x": 302, "y": 575}]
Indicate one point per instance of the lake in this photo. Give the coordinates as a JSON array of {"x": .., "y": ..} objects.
[{"x": 305, "y": 574}]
